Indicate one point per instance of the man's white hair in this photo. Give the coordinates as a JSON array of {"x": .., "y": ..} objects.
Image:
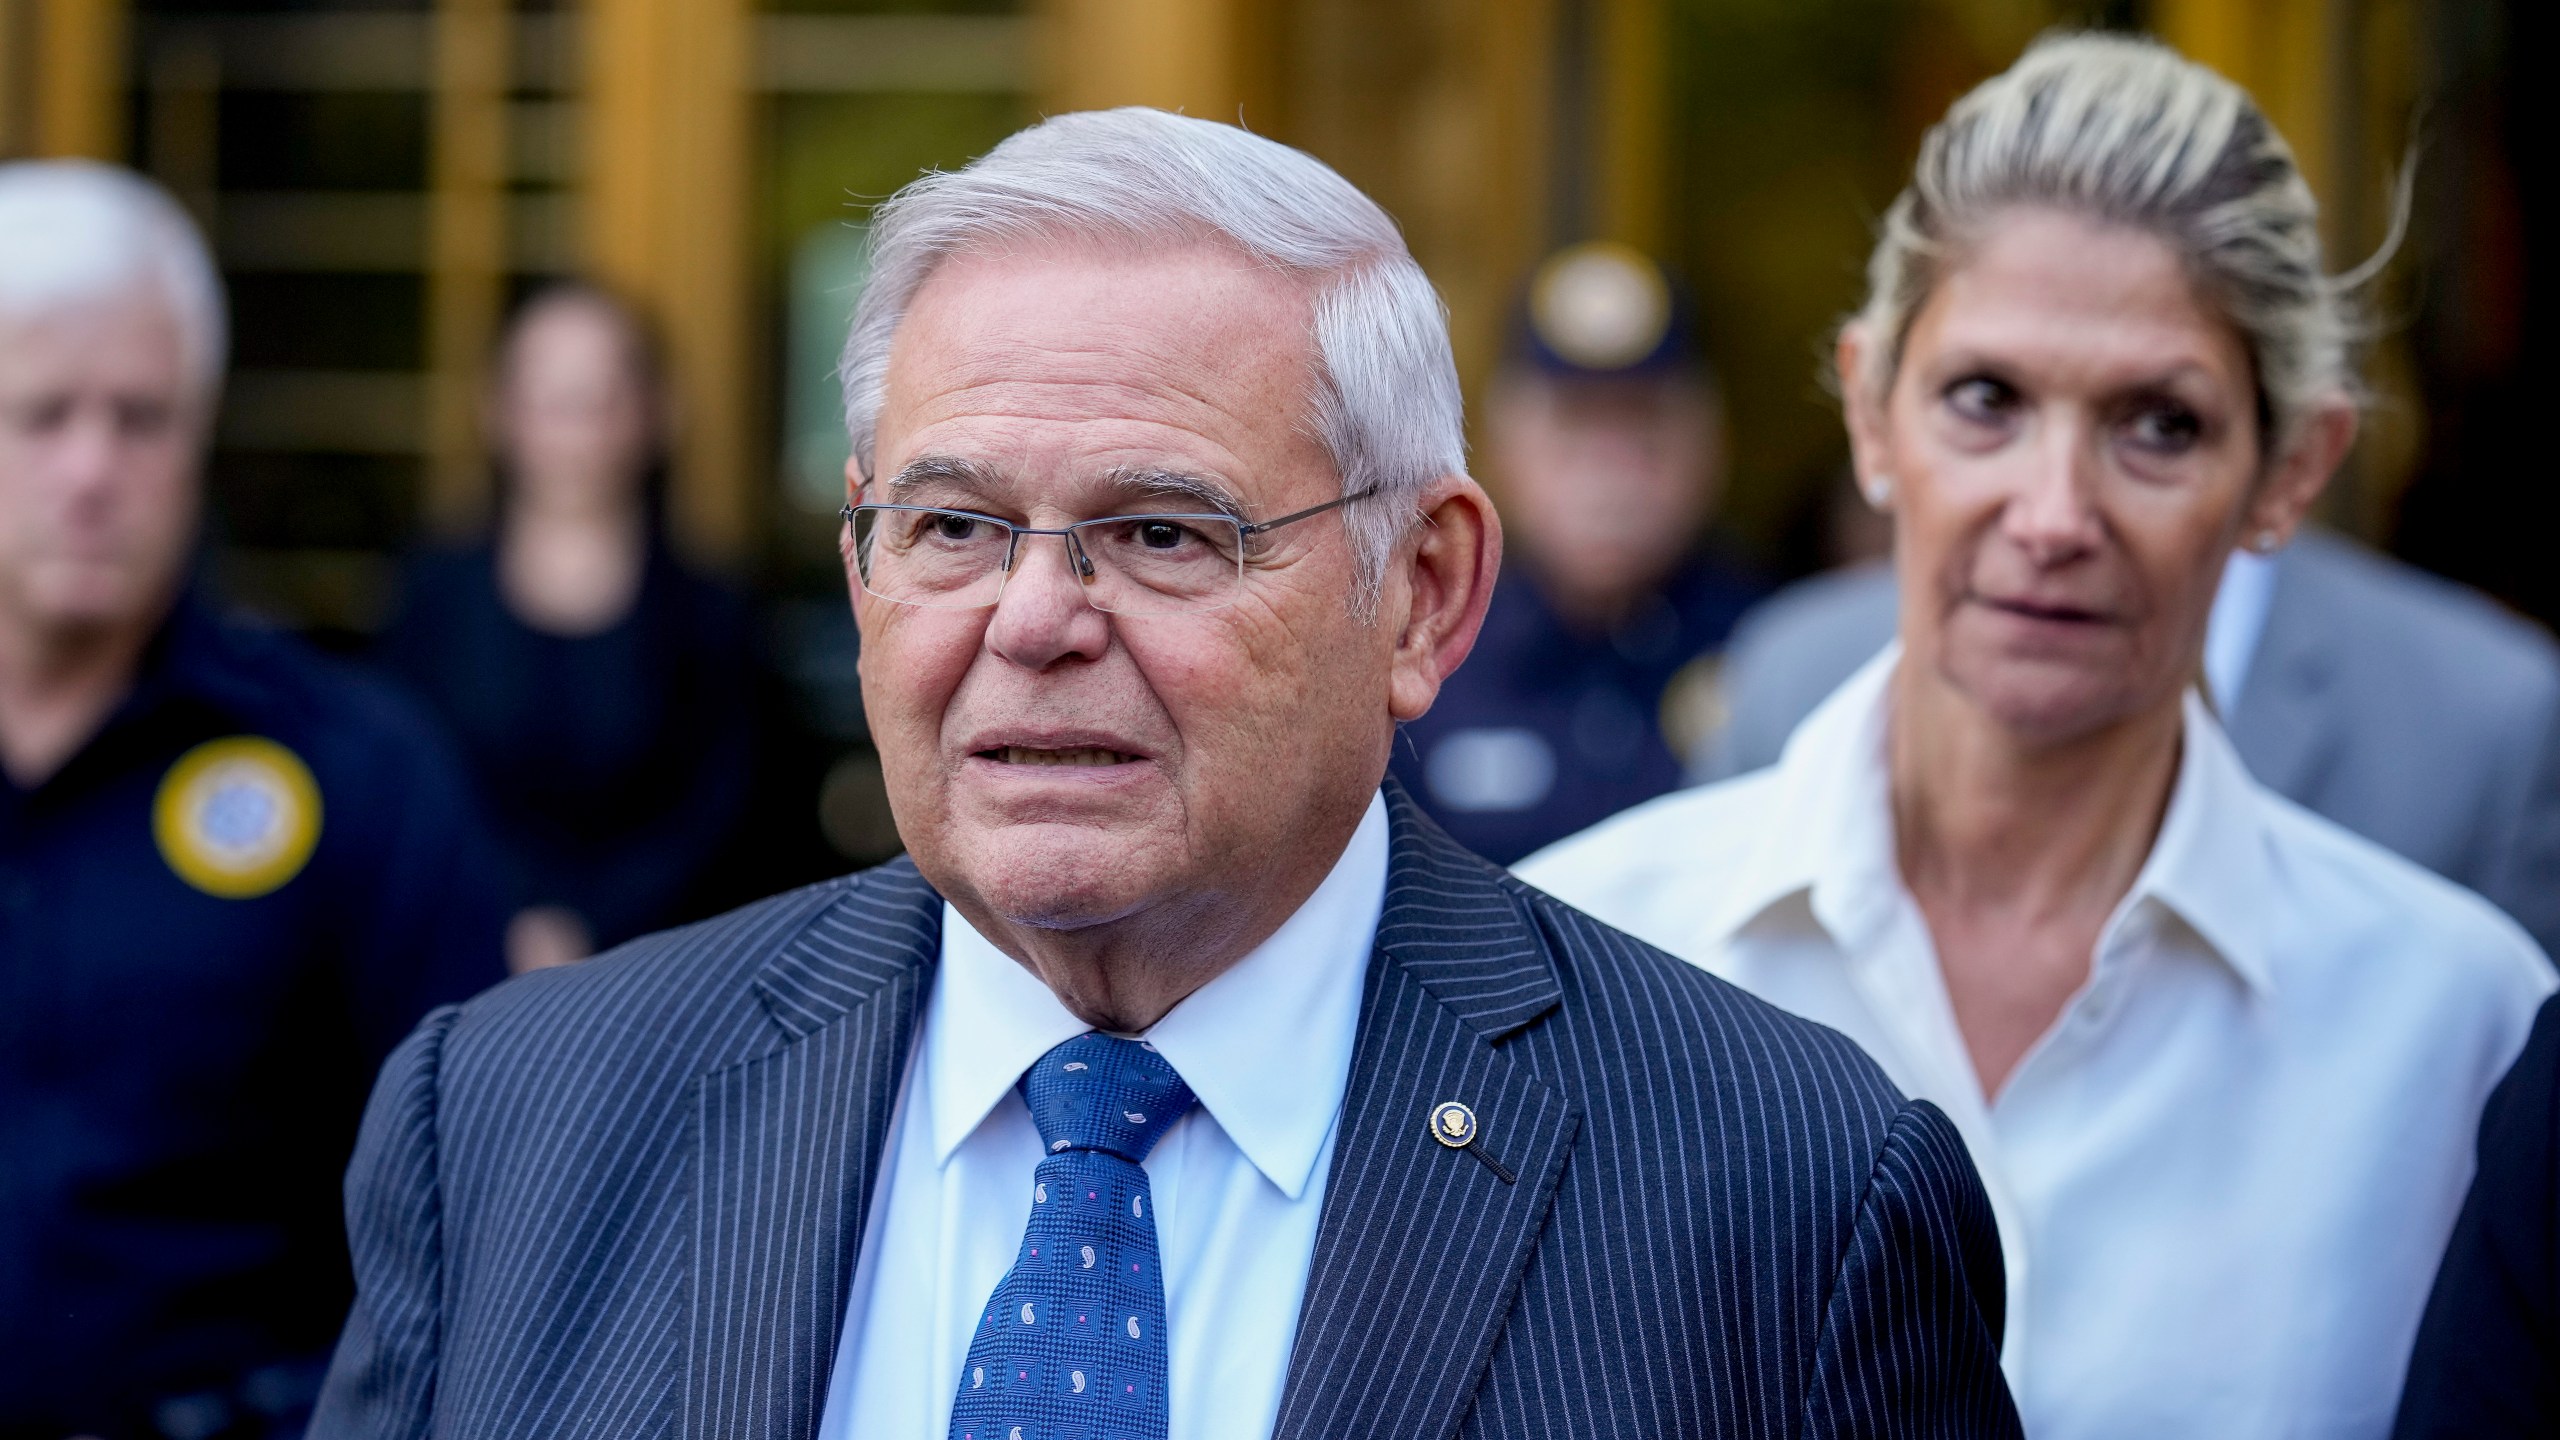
[
  {"x": 73, "y": 232},
  {"x": 1386, "y": 404}
]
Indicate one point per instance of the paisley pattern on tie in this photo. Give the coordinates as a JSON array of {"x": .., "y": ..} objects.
[{"x": 1072, "y": 1344}]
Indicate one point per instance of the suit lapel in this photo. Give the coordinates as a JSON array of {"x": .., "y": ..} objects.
[
  {"x": 787, "y": 1147},
  {"x": 1421, "y": 1246},
  {"x": 2285, "y": 721}
]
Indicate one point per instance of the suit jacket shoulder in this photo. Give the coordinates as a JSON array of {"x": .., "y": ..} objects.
[
  {"x": 2487, "y": 1358},
  {"x": 693, "y": 997},
  {"x": 2402, "y": 626},
  {"x": 557, "y": 1216},
  {"x": 2416, "y": 713}
]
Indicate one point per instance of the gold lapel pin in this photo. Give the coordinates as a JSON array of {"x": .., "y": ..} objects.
[{"x": 1453, "y": 1124}]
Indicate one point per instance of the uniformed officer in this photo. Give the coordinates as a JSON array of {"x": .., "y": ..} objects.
[
  {"x": 231, "y": 877},
  {"x": 1607, "y": 458}
]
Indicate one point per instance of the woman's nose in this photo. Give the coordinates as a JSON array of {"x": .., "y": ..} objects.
[{"x": 2053, "y": 513}]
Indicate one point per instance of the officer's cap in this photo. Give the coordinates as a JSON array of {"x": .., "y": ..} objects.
[{"x": 1602, "y": 310}]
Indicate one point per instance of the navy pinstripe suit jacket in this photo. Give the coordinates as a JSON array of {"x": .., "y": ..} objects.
[{"x": 624, "y": 1199}]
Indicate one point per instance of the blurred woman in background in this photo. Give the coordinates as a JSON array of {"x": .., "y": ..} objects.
[
  {"x": 2217, "y": 1059},
  {"x": 601, "y": 690}
]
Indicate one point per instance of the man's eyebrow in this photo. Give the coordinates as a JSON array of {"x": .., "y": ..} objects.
[
  {"x": 1200, "y": 490},
  {"x": 948, "y": 470}
]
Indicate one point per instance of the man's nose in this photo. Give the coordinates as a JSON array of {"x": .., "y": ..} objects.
[
  {"x": 85, "y": 455},
  {"x": 2053, "y": 513},
  {"x": 1043, "y": 616}
]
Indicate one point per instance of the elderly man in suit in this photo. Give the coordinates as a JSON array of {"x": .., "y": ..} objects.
[
  {"x": 1182, "y": 1080},
  {"x": 2411, "y": 711}
]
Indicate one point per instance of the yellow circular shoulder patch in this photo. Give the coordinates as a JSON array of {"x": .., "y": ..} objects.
[{"x": 237, "y": 817}]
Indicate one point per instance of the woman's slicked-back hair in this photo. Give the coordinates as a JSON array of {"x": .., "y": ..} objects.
[
  {"x": 2129, "y": 132},
  {"x": 74, "y": 232},
  {"x": 1386, "y": 405}
]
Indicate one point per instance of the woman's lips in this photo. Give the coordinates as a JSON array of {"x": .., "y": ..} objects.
[{"x": 2045, "y": 610}]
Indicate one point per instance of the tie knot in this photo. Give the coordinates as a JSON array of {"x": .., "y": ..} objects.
[{"x": 1100, "y": 1092}]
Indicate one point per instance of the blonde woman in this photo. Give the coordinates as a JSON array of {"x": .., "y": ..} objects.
[{"x": 2219, "y": 1061}]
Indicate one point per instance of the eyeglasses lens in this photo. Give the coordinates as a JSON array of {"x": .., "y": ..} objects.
[{"x": 1132, "y": 565}]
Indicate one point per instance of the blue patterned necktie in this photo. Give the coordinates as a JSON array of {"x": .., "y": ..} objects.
[{"x": 1072, "y": 1344}]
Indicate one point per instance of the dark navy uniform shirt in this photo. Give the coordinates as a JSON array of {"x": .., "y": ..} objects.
[
  {"x": 1548, "y": 730},
  {"x": 215, "y": 921}
]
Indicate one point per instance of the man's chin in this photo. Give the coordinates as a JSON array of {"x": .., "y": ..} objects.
[
  {"x": 1060, "y": 875},
  {"x": 84, "y": 598}
]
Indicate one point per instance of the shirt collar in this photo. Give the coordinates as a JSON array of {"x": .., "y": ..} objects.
[
  {"x": 1834, "y": 845},
  {"x": 1266, "y": 1045},
  {"x": 2209, "y": 865}
]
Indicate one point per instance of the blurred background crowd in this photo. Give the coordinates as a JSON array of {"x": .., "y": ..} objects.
[
  {"x": 530, "y": 409},
  {"x": 387, "y": 182}
]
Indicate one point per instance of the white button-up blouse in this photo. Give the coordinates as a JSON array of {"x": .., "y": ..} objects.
[{"x": 2224, "y": 1177}]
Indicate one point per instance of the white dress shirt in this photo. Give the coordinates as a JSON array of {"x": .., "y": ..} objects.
[
  {"x": 1237, "y": 1184},
  {"x": 2224, "y": 1177}
]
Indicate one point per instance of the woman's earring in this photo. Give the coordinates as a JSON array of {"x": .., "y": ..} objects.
[
  {"x": 2266, "y": 541},
  {"x": 1878, "y": 489}
]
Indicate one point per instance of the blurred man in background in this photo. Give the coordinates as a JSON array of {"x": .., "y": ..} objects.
[
  {"x": 2410, "y": 710},
  {"x": 1608, "y": 459},
  {"x": 230, "y": 877}
]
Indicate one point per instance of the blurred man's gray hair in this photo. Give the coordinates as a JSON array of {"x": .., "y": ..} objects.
[
  {"x": 74, "y": 232},
  {"x": 1386, "y": 407}
]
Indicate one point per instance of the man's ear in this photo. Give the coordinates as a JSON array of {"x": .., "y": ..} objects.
[
  {"x": 2319, "y": 444},
  {"x": 1445, "y": 576}
]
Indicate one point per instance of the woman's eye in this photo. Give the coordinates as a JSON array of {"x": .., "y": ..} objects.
[
  {"x": 2167, "y": 429},
  {"x": 1981, "y": 399}
]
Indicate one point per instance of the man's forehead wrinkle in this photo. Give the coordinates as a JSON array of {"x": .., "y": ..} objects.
[
  {"x": 1138, "y": 361},
  {"x": 1164, "y": 394},
  {"x": 1100, "y": 387},
  {"x": 1109, "y": 332},
  {"x": 1111, "y": 438}
]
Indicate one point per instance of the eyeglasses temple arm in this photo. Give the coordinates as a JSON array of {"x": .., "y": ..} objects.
[{"x": 1308, "y": 513}]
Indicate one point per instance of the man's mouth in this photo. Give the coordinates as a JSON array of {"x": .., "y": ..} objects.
[{"x": 1081, "y": 755}]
